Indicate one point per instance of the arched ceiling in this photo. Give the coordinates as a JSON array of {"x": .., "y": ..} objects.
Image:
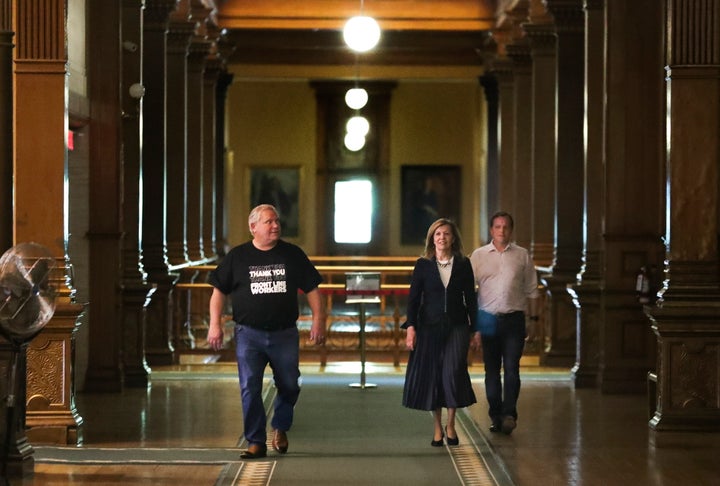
[{"x": 414, "y": 32}]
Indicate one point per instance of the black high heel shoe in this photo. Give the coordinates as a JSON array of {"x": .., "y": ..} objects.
[
  {"x": 437, "y": 443},
  {"x": 451, "y": 441}
]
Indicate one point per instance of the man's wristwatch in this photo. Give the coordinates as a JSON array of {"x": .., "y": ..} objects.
[{"x": 534, "y": 318}]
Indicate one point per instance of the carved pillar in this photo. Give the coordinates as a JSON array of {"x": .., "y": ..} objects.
[
  {"x": 506, "y": 82},
  {"x": 178, "y": 39},
  {"x": 6, "y": 128},
  {"x": 587, "y": 292},
  {"x": 540, "y": 32},
  {"x": 20, "y": 459},
  {"x": 213, "y": 68},
  {"x": 158, "y": 350},
  {"x": 135, "y": 290},
  {"x": 522, "y": 165},
  {"x": 490, "y": 85},
  {"x": 213, "y": 140},
  {"x": 569, "y": 24},
  {"x": 634, "y": 141},
  {"x": 198, "y": 51},
  {"x": 221, "y": 242},
  {"x": 40, "y": 88},
  {"x": 687, "y": 318},
  {"x": 541, "y": 35},
  {"x": 104, "y": 371}
]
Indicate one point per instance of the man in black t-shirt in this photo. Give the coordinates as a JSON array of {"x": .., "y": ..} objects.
[{"x": 262, "y": 278}]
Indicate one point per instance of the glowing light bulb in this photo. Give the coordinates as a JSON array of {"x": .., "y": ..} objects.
[
  {"x": 361, "y": 33},
  {"x": 356, "y": 98},
  {"x": 359, "y": 125},
  {"x": 354, "y": 141}
]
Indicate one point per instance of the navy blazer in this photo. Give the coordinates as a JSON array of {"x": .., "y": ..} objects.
[{"x": 430, "y": 303}]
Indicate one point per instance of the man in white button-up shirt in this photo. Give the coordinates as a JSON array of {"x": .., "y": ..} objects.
[{"x": 507, "y": 290}]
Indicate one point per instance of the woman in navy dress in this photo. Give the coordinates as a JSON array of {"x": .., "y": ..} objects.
[{"x": 440, "y": 317}]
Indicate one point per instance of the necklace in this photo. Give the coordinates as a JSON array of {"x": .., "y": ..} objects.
[{"x": 444, "y": 264}]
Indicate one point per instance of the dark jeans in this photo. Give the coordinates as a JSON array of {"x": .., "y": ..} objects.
[
  {"x": 504, "y": 350},
  {"x": 255, "y": 349}
]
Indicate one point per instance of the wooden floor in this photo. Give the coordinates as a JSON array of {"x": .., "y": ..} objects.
[{"x": 169, "y": 433}]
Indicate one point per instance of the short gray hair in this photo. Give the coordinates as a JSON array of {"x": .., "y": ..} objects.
[{"x": 257, "y": 211}]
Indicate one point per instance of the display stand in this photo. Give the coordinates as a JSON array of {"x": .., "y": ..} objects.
[{"x": 362, "y": 288}]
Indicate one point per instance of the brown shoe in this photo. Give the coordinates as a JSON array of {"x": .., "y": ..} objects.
[
  {"x": 280, "y": 441},
  {"x": 254, "y": 451}
]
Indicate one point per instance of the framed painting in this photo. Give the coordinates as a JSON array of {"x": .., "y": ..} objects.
[
  {"x": 429, "y": 192},
  {"x": 279, "y": 186}
]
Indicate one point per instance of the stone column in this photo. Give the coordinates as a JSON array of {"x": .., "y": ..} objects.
[
  {"x": 178, "y": 39},
  {"x": 633, "y": 221},
  {"x": 540, "y": 32},
  {"x": 519, "y": 52},
  {"x": 135, "y": 289},
  {"x": 158, "y": 350},
  {"x": 40, "y": 88},
  {"x": 541, "y": 35},
  {"x": 6, "y": 128},
  {"x": 181, "y": 31},
  {"x": 506, "y": 88},
  {"x": 20, "y": 459},
  {"x": 490, "y": 85},
  {"x": 220, "y": 154},
  {"x": 213, "y": 68},
  {"x": 198, "y": 50},
  {"x": 106, "y": 188},
  {"x": 587, "y": 292},
  {"x": 686, "y": 320},
  {"x": 569, "y": 25}
]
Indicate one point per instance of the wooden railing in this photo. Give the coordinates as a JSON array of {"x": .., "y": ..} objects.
[
  {"x": 383, "y": 338},
  {"x": 383, "y": 333}
]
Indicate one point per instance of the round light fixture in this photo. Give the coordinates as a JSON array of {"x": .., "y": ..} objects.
[
  {"x": 361, "y": 33},
  {"x": 358, "y": 124},
  {"x": 356, "y": 98},
  {"x": 354, "y": 141}
]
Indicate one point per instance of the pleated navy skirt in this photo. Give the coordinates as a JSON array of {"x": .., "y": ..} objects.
[{"x": 437, "y": 371}]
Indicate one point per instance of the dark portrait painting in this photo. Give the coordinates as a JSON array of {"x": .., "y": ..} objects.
[
  {"x": 429, "y": 192},
  {"x": 279, "y": 187}
]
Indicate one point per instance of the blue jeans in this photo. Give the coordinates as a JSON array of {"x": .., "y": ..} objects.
[
  {"x": 255, "y": 349},
  {"x": 504, "y": 350}
]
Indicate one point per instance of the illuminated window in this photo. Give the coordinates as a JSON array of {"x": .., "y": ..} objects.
[{"x": 353, "y": 211}]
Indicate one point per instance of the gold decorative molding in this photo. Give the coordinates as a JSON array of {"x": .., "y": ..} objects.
[{"x": 46, "y": 384}]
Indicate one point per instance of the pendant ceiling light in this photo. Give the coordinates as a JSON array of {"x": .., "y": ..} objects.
[
  {"x": 358, "y": 124},
  {"x": 354, "y": 141},
  {"x": 361, "y": 33},
  {"x": 356, "y": 98}
]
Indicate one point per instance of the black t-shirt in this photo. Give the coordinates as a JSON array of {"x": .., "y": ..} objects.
[{"x": 263, "y": 285}]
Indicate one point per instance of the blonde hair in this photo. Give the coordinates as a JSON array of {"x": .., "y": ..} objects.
[
  {"x": 457, "y": 246},
  {"x": 257, "y": 211}
]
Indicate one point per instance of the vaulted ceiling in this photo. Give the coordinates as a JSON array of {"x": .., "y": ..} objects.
[{"x": 414, "y": 32}]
